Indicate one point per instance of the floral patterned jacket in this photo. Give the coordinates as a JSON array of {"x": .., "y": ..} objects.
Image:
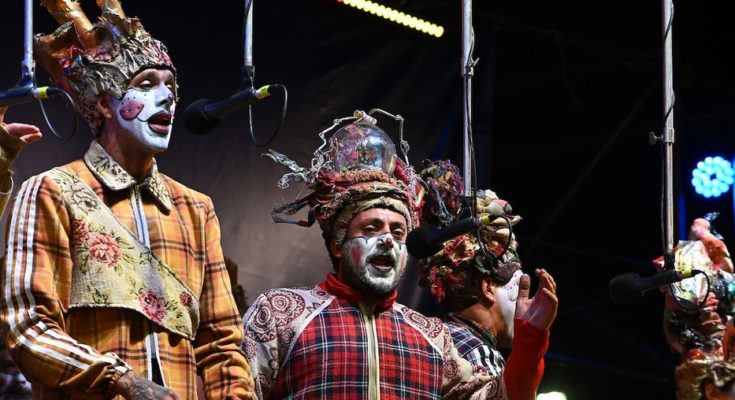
[{"x": 103, "y": 274}]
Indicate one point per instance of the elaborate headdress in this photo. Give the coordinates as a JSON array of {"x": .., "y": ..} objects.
[
  {"x": 354, "y": 170},
  {"x": 699, "y": 369},
  {"x": 87, "y": 60},
  {"x": 453, "y": 275}
]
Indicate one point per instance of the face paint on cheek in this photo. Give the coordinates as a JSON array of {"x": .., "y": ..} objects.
[
  {"x": 130, "y": 109},
  {"x": 134, "y": 112},
  {"x": 507, "y": 297}
]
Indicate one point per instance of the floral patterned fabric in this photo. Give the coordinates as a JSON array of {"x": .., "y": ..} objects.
[
  {"x": 71, "y": 350},
  {"x": 114, "y": 269}
]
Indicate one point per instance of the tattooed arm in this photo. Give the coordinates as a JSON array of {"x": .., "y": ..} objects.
[{"x": 133, "y": 387}]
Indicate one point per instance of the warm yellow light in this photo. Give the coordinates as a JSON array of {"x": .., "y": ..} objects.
[{"x": 396, "y": 16}]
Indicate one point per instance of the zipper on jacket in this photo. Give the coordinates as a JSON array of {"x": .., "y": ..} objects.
[{"x": 368, "y": 318}]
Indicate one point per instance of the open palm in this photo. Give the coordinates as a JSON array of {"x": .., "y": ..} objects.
[{"x": 539, "y": 310}]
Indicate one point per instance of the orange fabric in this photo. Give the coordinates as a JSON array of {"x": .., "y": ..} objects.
[{"x": 65, "y": 351}]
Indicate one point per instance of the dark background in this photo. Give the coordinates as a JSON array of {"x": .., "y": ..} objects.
[{"x": 565, "y": 95}]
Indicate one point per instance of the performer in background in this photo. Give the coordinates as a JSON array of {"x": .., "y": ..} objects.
[
  {"x": 696, "y": 312},
  {"x": 478, "y": 281},
  {"x": 346, "y": 337},
  {"x": 115, "y": 282}
]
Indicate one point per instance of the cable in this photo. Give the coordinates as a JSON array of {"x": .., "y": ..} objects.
[
  {"x": 54, "y": 90},
  {"x": 701, "y": 303},
  {"x": 280, "y": 123}
]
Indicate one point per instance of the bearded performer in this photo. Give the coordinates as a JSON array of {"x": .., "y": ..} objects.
[
  {"x": 478, "y": 281},
  {"x": 696, "y": 312},
  {"x": 115, "y": 283},
  {"x": 347, "y": 337}
]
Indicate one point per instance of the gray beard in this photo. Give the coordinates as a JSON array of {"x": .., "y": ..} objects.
[{"x": 360, "y": 279}]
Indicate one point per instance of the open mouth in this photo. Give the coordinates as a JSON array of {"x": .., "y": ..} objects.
[
  {"x": 382, "y": 263},
  {"x": 160, "y": 122}
]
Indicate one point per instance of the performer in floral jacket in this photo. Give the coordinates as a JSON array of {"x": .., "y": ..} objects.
[
  {"x": 114, "y": 280},
  {"x": 347, "y": 338}
]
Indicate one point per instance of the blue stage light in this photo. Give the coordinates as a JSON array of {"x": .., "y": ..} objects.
[{"x": 713, "y": 176}]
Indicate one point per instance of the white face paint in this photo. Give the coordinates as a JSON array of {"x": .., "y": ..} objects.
[
  {"x": 375, "y": 265},
  {"x": 147, "y": 116},
  {"x": 506, "y": 297}
]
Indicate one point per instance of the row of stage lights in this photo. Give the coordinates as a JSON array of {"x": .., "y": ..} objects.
[
  {"x": 713, "y": 177},
  {"x": 396, "y": 16}
]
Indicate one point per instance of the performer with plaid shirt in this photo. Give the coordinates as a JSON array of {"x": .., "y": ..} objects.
[
  {"x": 347, "y": 338},
  {"x": 477, "y": 279},
  {"x": 114, "y": 280}
]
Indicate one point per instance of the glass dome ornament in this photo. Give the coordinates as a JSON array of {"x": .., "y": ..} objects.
[{"x": 362, "y": 146}]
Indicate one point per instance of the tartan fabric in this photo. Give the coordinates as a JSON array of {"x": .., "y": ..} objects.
[
  {"x": 332, "y": 351},
  {"x": 69, "y": 352},
  {"x": 474, "y": 349},
  {"x": 309, "y": 344}
]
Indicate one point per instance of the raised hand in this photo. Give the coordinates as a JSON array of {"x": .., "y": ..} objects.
[
  {"x": 539, "y": 311},
  {"x": 17, "y": 135},
  {"x": 133, "y": 387}
]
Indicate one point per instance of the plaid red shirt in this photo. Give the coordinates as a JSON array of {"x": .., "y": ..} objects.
[
  {"x": 74, "y": 351},
  {"x": 310, "y": 344}
]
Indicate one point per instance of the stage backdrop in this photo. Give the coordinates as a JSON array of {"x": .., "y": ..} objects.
[{"x": 333, "y": 60}]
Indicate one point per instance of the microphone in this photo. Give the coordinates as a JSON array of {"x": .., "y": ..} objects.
[
  {"x": 425, "y": 241},
  {"x": 630, "y": 287},
  {"x": 25, "y": 94},
  {"x": 203, "y": 115}
]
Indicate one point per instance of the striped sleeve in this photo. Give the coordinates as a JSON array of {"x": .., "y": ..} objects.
[
  {"x": 220, "y": 360},
  {"x": 36, "y": 280}
]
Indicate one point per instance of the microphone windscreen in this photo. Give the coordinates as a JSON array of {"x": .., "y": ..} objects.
[
  {"x": 421, "y": 242},
  {"x": 624, "y": 288},
  {"x": 196, "y": 119}
]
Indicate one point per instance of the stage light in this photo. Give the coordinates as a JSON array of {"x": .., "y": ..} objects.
[
  {"x": 551, "y": 396},
  {"x": 396, "y": 16},
  {"x": 713, "y": 176}
]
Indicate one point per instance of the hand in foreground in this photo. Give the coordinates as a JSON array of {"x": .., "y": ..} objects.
[
  {"x": 15, "y": 136},
  {"x": 539, "y": 311},
  {"x": 133, "y": 387}
]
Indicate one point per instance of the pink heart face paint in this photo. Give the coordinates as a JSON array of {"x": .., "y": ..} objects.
[
  {"x": 147, "y": 116},
  {"x": 375, "y": 264}
]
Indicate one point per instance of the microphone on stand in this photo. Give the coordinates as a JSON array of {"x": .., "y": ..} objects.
[
  {"x": 25, "y": 93},
  {"x": 203, "y": 115},
  {"x": 426, "y": 241},
  {"x": 630, "y": 287}
]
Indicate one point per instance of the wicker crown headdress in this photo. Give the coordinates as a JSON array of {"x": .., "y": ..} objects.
[{"x": 87, "y": 60}]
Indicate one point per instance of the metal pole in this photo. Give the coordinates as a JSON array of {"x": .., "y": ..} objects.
[
  {"x": 467, "y": 71},
  {"x": 668, "y": 134},
  {"x": 28, "y": 66},
  {"x": 248, "y": 60}
]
